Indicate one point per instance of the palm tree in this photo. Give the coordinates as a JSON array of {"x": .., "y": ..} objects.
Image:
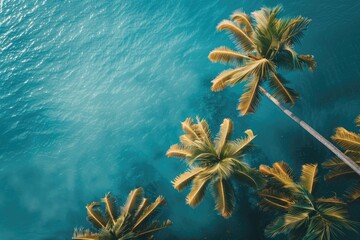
[
  {"x": 265, "y": 44},
  {"x": 301, "y": 215},
  {"x": 135, "y": 219},
  {"x": 350, "y": 142},
  {"x": 213, "y": 162}
]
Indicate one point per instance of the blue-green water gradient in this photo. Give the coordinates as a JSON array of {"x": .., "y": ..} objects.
[{"x": 92, "y": 93}]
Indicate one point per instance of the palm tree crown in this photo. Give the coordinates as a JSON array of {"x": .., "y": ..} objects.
[
  {"x": 133, "y": 221},
  {"x": 213, "y": 162},
  {"x": 350, "y": 142},
  {"x": 302, "y": 216},
  {"x": 265, "y": 43}
]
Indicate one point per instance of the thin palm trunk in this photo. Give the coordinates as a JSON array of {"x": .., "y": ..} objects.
[{"x": 314, "y": 133}]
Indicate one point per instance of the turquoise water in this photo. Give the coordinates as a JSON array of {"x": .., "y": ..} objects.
[{"x": 92, "y": 94}]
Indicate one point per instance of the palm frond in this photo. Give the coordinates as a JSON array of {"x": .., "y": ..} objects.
[
  {"x": 287, "y": 223},
  {"x": 307, "y": 60},
  {"x": 226, "y": 55},
  {"x": 243, "y": 20},
  {"x": 332, "y": 200},
  {"x": 353, "y": 193},
  {"x": 294, "y": 30},
  {"x": 308, "y": 176},
  {"x": 80, "y": 234},
  {"x": 133, "y": 202},
  {"x": 242, "y": 145},
  {"x": 280, "y": 172},
  {"x": 177, "y": 150},
  {"x": 198, "y": 190},
  {"x": 203, "y": 130},
  {"x": 188, "y": 127},
  {"x": 274, "y": 198},
  {"x": 224, "y": 197},
  {"x": 154, "y": 226},
  {"x": 223, "y": 79},
  {"x": 224, "y": 135},
  {"x": 149, "y": 212},
  {"x": 243, "y": 41},
  {"x": 95, "y": 216},
  {"x": 183, "y": 180},
  {"x": 357, "y": 121},
  {"x": 110, "y": 207},
  {"x": 283, "y": 93},
  {"x": 251, "y": 177},
  {"x": 346, "y": 139},
  {"x": 249, "y": 101}
]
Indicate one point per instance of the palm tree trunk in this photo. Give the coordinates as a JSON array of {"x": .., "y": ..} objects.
[{"x": 314, "y": 133}]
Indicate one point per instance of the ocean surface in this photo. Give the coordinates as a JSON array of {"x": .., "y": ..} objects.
[{"x": 92, "y": 93}]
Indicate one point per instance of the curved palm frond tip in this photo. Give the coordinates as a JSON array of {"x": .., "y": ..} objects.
[
  {"x": 301, "y": 214},
  {"x": 213, "y": 162},
  {"x": 350, "y": 142},
  {"x": 134, "y": 220},
  {"x": 265, "y": 43}
]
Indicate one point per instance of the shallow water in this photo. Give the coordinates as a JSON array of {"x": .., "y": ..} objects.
[{"x": 92, "y": 94}]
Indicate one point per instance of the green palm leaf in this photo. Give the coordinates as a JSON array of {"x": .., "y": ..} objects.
[
  {"x": 243, "y": 40},
  {"x": 308, "y": 176},
  {"x": 227, "y": 55},
  {"x": 224, "y": 197},
  {"x": 283, "y": 93}
]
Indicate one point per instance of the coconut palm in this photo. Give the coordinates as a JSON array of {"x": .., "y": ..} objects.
[
  {"x": 350, "y": 142},
  {"x": 134, "y": 220},
  {"x": 265, "y": 44},
  {"x": 213, "y": 162},
  {"x": 301, "y": 214}
]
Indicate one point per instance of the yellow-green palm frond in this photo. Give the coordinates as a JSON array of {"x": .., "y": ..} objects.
[
  {"x": 251, "y": 177},
  {"x": 332, "y": 200},
  {"x": 154, "y": 227},
  {"x": 227, "y": 55},
  {"x": 250, "y": 100},
  {"x": 338, "y": 168},
  {"x": 148, "y": 213},
  {"x": 243, "y": 41},
  {"x": 346, "y": 139},
  {"x": 224, "y": 197},
  {"x": 282, "y": 93},
  {"x": 178, "y": 151},
  {"x": 353, "y": 193},
  {"x": 243, "y": 20},
  {"x": 266, "y": 17},
  {"x": 308, "y": 176},
  {"x": 203, "y": 130},
  {"x": 183, "y": 180},
  {"x": 133, "y": 201},
  {"x": 81, "y": 234},
  {"x": 273, "y": 198},
  {"x": 287, "y": 223},
  {"x": 357, "y": 121},
  {"x": 241, "y": 145},
  {"x": 95, "y": 216},
  {"x": 224, "y": 79},
  {"x": 293, "y": 29},
  {"x": 110, "y": 207},
  {"x": 188, "y": 127},
  {"x": 332, "y": 221},
  {"x": 198, "y": 190},
  {"x": 224, "y": 135},
  {"x": 307, "y": 60},
  {"x": 280, "y": 172}
]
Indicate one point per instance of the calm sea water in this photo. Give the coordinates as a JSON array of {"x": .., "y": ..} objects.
[{"x": 92, "y": 94}]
